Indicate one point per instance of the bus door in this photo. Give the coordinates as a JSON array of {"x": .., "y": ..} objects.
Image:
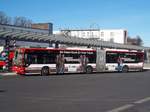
[{"x": 100, "y": 60}]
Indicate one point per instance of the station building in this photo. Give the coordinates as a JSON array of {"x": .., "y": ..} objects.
[
  {"x": 43, "y": 28},
  {"x": 112, "y": 35}
]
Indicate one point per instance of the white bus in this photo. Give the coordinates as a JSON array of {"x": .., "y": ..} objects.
[
  {"x": 43, "y": 61},
  {"x": 131, "y": 60}
]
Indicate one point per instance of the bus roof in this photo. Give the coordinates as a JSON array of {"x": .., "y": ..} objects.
[
  {"x": 61, "y": 49},
  {"x": 122, "y": 50},
  {"x": 82, "y": 49}
]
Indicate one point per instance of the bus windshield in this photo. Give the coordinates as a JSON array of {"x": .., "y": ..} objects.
[{"x": 18, "y": 57}]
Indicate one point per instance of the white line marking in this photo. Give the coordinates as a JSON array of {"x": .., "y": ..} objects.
[
  {"x": 121, "y": 108},
  {"x": 127, "y": 106},
  {"x": 142, "y": 100}
]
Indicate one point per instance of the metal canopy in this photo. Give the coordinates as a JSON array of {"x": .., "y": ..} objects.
[{"x": 26, "y": 35}]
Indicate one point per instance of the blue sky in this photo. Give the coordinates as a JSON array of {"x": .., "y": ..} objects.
[{"x": 132, "y": 15}]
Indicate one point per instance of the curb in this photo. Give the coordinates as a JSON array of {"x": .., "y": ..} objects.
[
  {"x": 8, "y": 74},
  {"x": 146, "y": 68}
]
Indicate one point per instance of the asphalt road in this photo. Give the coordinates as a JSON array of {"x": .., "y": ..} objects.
[{"x": 101, "y": 92}]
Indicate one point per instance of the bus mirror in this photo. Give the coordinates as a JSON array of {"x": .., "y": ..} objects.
[{"x": 27, "y": 64}]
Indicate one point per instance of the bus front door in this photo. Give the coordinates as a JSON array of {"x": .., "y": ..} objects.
[{"x": 100, "y": 60}]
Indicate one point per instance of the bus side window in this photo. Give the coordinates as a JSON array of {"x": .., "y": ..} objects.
[
  {"x": 111, "y": 57},
  {"x": 31, "y": 59}
]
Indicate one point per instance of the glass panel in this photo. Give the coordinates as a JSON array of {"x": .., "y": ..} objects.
[
  {"x": 41, "y": 57},
  {"x": 111, "y": 57},
  {"x": 18, "y": 58}
]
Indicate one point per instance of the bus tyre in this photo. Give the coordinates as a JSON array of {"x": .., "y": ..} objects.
[
  {"x": 125, "y": 69},
  {"x": 89, "y": 69},
  {"x": 45, "y": 71}
]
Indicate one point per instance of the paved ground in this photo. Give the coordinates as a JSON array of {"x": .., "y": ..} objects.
[{"x": 101, "y": 92}]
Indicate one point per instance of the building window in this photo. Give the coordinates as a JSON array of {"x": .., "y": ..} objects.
[
  {"x": 91, "y": 34},
  {"x": 83, "y": 34},
  {"x": 88, "y": 34},
  {"x": 102, "y": 34},
  {"x": 112, "y": 34}
]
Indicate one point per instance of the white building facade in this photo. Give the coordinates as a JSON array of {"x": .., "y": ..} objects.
[{"x": 112, "y": 35}]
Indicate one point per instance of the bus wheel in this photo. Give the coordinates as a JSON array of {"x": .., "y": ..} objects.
[
  {"x": 125, "y": 69},
  {"x": 89, "y": 69},
  {"x": 45, "y": 71}
]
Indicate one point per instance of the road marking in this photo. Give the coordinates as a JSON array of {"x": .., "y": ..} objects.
[
  {"x": 121, "y": 108},
  {"x": 142, "y": 100},
  {"x": 128, "y": 106}
]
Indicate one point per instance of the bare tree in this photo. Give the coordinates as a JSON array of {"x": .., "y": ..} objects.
[
  {"x": 22, "y": 21},
  {"x": 18, "y": 21},
  {"x": 28, "y": 23},
  {"x": 4, "y": 19},
  {"x": 135, "y": 41},
  {"x": 139, "y": 40}
]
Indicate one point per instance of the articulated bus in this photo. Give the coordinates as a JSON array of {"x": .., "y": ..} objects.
[{"x": 43, "y": 60}]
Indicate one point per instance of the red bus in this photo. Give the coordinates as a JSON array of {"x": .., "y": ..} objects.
[{"x": 76, "y": 60}]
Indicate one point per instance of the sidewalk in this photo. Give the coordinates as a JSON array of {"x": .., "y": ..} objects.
[
  {"x": 7, "y": 73},
  {"x": 146, "y": 66}
]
